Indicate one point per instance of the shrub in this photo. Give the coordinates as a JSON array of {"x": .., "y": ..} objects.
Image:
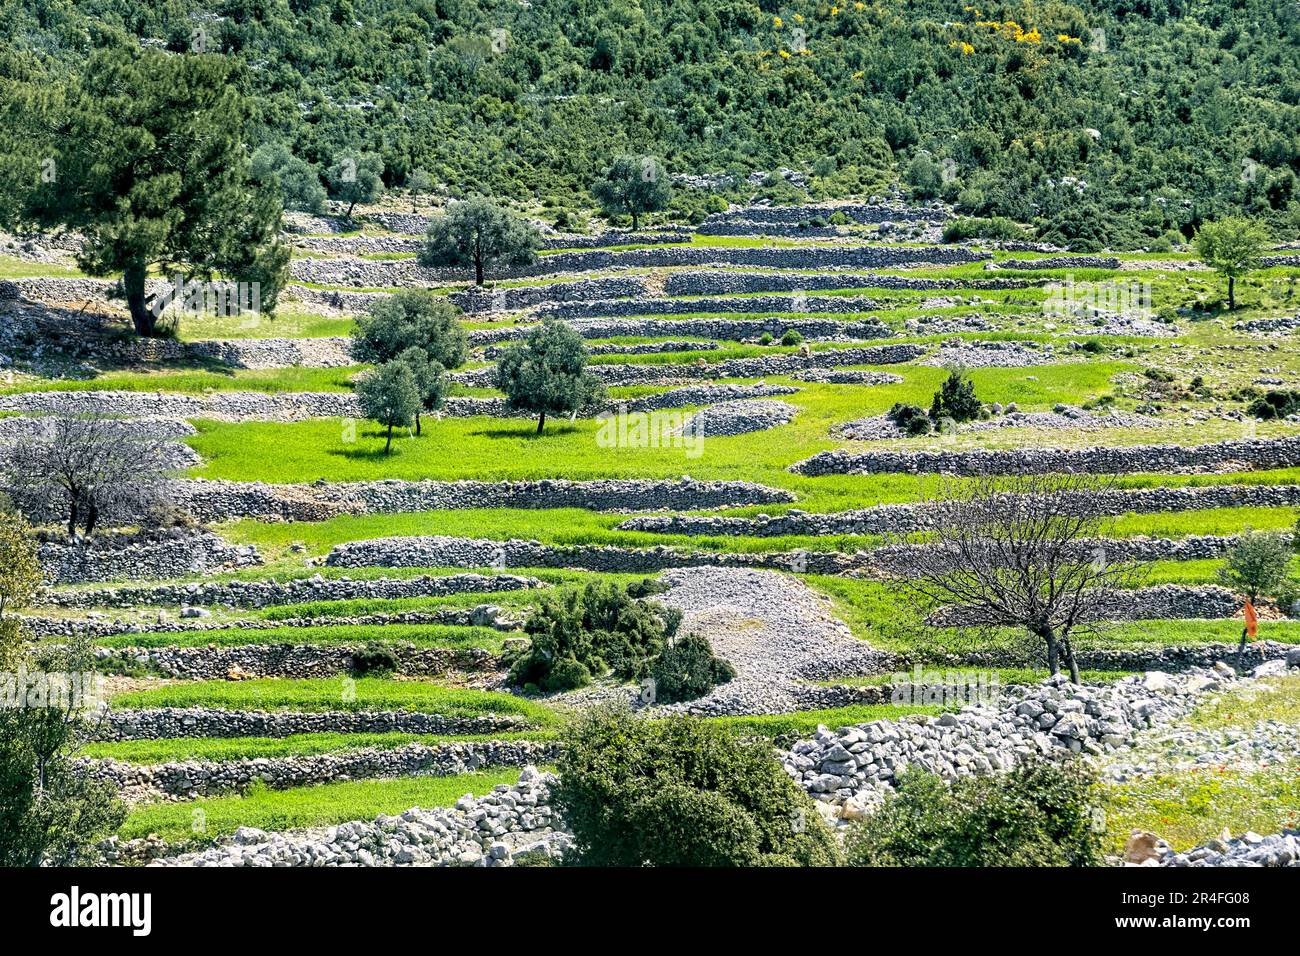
[
  {"x": 1257, "y": 563},
  {"x": 910, "y": 418},
  {"x": 682, "y": 792},
  {"x": 955, "y": 399},
  {"x": 1039, "y": 814},
  {"x": 791, "y": 337},
  {"x": 374, "y": 658},
  {"x": 998, "y": 227},
  {"x": 688, "y": 669},
  {"x": 602, "y": 628},
  {"x": 765, "y": 338},
  {"x": 1275, "y": 403}
]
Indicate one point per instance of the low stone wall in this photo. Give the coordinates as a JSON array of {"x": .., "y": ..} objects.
[
  {"x": 98, "y": 627},
  {"x": 861, "y": 213},
  {"x": 1165, "y": 602},
  {"x": 440, "y": 551},
  {"x": 369, "y": 273},
  {"x": 756, "y": 367},
  {"x": 167, "y": 723},
  {"x": 237, "y": 353},
  {"x": 1246, "y": 455},
  {"x": 740, "y": 418},
  {"x": 704, "y": 395},
  {"x": 720, "y": 282},
  {"x": 260, "y": 594},
  {"x": 220, "y": 406},
  {"x": 745, "y": 305},
  {"x": 476, "y": 300},
  {"x": 723, "y": 330},
  {"x": 294, "y": 660},
  {"x": 220, "y": 500},
  {"x": 905, "y": 518},
  {"x": 899, "y": 559},
  {"x": 1062, "y": 262},
  {"x": 162, "y": 555},
  {"x": 196, "y": 778}
]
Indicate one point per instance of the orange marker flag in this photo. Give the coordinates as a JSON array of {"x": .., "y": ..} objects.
[{"x": 1252, "y": 619}]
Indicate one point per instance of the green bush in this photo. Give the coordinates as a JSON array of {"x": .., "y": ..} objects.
[
  {"x": 910, "y": 418},
  {"x": 682, "y": 792},
  {"x": 1040, "y": 814},
  {"x": 374, "y": 658},
  {"x": 688, "y": 669},
  {"x": 791, "y": 337},
  {"x": 955, "y": 399},
  {"x": 1275, "y": 403},
  {"x": 998, "y": 227},
  {"x": 601, "y": 628}
]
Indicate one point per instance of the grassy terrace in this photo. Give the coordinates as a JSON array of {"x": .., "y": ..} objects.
[
  {"x": 304, "y": 807},
  {"x": 326, "y": 694}
]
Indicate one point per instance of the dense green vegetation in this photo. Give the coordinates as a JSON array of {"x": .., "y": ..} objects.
[{"x": 1103, "y": 121}]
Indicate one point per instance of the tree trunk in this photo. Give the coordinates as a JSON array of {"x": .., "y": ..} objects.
[
  {"x": 478, "y": 270},
  {"x": 1053, "y": 650},
  {"x": 635, "y": 220},
  {"x": 142, "y": 317},
  {"x": 1232, "y": 297},
  {"x": 352, "y": 205},
  {"x": 541, "y": 421},
  {"x": 417, "y": 423},
  {"x": 1067, "y": 648},
  {"x": 92, "y": 517},
  {"x": 73, "y": 519},
  {"x": 388, "y": 445}
]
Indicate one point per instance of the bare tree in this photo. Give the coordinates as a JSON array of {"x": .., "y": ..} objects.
[
  {"x": 1021, "y": 552},
  {"x": 86, "y": 468}
]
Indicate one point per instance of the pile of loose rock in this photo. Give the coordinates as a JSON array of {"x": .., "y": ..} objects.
[
  {"x": 1249, "y": 849},
  {"x": 852, "y": 769},
  {"x": 739, "y": 418}
]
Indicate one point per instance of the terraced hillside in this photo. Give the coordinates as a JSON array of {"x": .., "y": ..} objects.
[{"x": 324, "y": 638}]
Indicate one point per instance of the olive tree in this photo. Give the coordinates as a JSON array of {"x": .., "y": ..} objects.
[
  {"x": 481, "y": 233},
  {"x": 1231, "y": 247},
  {"x": 633, "y": 185},
  {"x": 413, "y": 318},
  {"x": 389, "y": 395},
  {"x": 548, "y": 373}
]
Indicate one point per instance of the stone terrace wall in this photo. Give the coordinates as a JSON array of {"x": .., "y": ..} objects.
[
  {"x": 475, "y": 300},
  {"x": 727, "y": 330},
  {"x": 862, "y": 213},
  {"x": 401, "y": 273},
  {"x": 1163, "y": 602},
  {"x": 164, "y": 555},
  {"x": 1246, "y": 455},
  {"x": 1062, "y": 262},
  {"x": 165, "y": 723},
  {"x": 193, "y": 779},
  {"x": 749, "y": 305},
  {"x": 260, "y": 594},
  {"x": 330, "y": 352},
  {"x": 904, "y": 518},
  {"x": 296, "y": 660},
  {"x": 220, "y": 500},
  {"x": 225, "y": 406},
  {"x": 734, "y": 283}
]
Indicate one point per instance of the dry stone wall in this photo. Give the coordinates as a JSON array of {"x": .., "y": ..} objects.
[
  {"x": 1245, "y": 455},
  {"x": 155, "y": 555},
  {"x": 167, "y": 723}
]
